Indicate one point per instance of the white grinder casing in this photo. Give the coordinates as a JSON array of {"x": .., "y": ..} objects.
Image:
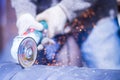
[{"x": 19, "y": 49}]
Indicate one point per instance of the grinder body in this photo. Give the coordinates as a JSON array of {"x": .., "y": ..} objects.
[
  {"x": 27, "y": 50},
  {"x": 27, "y": 45}
]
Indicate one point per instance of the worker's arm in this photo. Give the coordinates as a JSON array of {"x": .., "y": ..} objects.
[
  {"x": 74, "y": 7},
  {"x": 23, "y": 6},
  {"x": 25, "y": 12}
]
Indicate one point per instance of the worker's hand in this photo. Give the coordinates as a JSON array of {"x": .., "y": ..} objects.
[
  {"x": 55, "y": 18},
  {"x": 26, "y": 21}
]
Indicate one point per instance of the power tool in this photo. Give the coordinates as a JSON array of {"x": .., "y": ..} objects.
[{"x": 28, "y": 42}]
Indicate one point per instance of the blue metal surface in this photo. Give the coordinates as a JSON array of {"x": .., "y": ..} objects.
[{"x": 12, "y": 71}]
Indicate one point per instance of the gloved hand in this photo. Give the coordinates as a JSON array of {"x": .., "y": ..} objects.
[
  {"x": 26, "y": 21},
  {"x": 55, "y": 18}
]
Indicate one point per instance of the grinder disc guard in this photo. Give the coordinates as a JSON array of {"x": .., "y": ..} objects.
[{"x": 27, "y": 52}]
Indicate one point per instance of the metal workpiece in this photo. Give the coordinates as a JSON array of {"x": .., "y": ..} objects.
[{"x": 12, "y": 71}]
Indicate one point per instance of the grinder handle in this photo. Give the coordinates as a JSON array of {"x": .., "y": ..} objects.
[{"x": 44, "y": 23}]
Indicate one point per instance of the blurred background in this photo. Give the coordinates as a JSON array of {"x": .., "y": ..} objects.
[{"x": 8, "y": 28}]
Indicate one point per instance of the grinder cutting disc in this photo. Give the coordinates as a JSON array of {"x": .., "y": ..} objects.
[{"x": 27, "y": 52}]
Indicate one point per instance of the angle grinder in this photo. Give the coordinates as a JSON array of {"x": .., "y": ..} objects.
[{"x": 27, "y": 45}]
